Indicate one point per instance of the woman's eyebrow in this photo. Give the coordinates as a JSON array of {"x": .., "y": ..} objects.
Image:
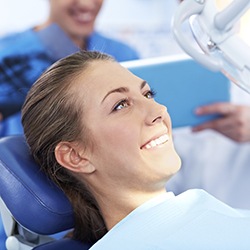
[
  {"x": 122, "y": 90},
  {"x": 143, "y": 84},
  {"x": 119, "y": 90}
]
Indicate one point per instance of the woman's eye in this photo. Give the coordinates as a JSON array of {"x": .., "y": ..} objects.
[
  {"x": 150, "y": 94},
  {"x": 122, "y": 104}
]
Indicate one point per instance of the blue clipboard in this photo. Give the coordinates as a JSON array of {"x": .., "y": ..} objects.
[{"x": 182, "y": 85}]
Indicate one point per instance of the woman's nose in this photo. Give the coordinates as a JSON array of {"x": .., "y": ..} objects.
[{"x": 156, "y": 112}]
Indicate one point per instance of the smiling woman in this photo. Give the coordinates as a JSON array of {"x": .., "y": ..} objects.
[
  {"x": 110, "y": 105},
  {"x": 96, "y": 130}
]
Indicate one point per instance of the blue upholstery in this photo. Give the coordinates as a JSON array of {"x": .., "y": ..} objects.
[
  {"x": 46, "y": 209},
  {"x": 2, "y": 236},
  {"x": 34, "y": 201}
]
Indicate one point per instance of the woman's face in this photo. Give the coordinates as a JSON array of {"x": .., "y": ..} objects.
[
  {"x": 76, "y": 17},
  {"x": 131, "y": 133}
]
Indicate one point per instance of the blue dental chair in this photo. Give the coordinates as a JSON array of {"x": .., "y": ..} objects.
[{"x": 33, "y": 208}]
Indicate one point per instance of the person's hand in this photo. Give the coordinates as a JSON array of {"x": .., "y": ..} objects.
[{"x": 234, "y": 123}]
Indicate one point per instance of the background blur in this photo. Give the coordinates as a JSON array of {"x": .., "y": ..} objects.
[{"x": 145, "y": 24}]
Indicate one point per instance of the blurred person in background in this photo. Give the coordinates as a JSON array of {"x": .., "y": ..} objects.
[{"x": 25, "y": 55}]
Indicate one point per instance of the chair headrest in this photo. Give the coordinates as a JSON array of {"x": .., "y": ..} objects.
[{"x": 35, "y": 202}]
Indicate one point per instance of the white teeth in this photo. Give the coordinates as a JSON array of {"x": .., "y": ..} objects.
[
  {"x": 158, "y": 141},
  {"x": 162, "y": 139}
]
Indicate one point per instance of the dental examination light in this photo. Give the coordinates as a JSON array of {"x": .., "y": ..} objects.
[{"x": 217, "y": 35}]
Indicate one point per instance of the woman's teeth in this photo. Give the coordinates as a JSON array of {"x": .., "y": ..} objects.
[{"x": 160, "y": 140}]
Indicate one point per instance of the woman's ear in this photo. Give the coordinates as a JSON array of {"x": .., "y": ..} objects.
[{"x": 70, "y": 156}]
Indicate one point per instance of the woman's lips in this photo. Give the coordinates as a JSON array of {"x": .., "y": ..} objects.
[{"x": 156, "y": 142}]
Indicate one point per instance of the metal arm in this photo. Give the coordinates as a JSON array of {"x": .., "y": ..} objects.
[{"x": 216, "y": 34}]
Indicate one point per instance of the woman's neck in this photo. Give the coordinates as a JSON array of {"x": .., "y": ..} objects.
[{"x": 117, "y": 206}]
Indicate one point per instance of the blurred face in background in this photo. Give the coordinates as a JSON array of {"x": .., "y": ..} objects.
[{"x": 75, "y": 17}]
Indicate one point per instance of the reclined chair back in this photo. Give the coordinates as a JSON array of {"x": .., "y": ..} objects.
[{"x": 37, "y": 205}]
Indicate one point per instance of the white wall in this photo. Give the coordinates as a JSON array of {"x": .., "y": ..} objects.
[
  {"x": 17, "y": 15},
  {"x": 145, "y": 24}
]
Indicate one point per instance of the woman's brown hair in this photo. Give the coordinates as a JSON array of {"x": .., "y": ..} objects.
[{"x": 50, "y": 115}]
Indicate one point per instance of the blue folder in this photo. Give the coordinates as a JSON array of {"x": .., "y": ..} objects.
[{"x": 182, "y": 85}]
